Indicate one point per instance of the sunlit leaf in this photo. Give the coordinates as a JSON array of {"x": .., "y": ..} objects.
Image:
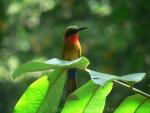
[
  {"x": 43, "y": 96},
  {"x": 134, "y": 104},
  {"x": 31, "y": 99},
  {"x": 52, "y": 99},
  {"x": 102, "y": 78},
  {"x": 90, "y": 98},
  {"x": 50, "y": 64},
  {"x": 144, "y": 107}
]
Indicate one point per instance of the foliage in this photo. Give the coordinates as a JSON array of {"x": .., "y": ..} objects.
[
  {"x": 88, "y": 98},
  {"x": 117, "y": 41},
  {"x": 135, "y": 103},
  {"x": 102, "y": 78},
  {"x": 50, "y": 64},
  {"x": 39, "y": 89},
  {"x": 44, "y": 95}
]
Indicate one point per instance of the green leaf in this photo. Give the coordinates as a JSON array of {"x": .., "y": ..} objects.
[
  {"x": 90, "y": 98},
  {"x": 144, "y": 107},
  {"x": 51, "y": 64},
  {"x": 102, "y": 78},
  {"x": 43, "y": 96},
  {"x": 52, "y": 99},
  {"x": 33, "y": 96},
  {"x": 134, "y": 104}
]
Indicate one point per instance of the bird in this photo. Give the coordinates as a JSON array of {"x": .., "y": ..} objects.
[{"x": 72, "y": 51}]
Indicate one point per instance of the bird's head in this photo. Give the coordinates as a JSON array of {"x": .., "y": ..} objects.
[{"x": 73, "y": 30}]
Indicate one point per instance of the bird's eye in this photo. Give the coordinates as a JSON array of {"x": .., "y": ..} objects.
[{"x": 70, "y": 32}]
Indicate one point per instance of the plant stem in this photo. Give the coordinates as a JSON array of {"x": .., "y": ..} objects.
[{"x": 132, "y": 88}]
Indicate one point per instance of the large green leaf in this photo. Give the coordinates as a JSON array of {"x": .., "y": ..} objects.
[
  {"x": 31, "y": 99},
  {"x": 134, "y": 104},
  {"x": 102, "y": 78},
  {"x": 51, "y": 64},
  {"x": 43, "y": 96},
  {"x": 90, "y": 98},
  {"x": 144, "y": 107},
  {"x": 52, "y": 99}
]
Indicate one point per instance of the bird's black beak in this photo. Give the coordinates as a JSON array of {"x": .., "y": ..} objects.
[{"x": 82, "y": 28}]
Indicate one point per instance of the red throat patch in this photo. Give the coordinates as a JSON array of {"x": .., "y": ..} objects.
[{"x": 72, "y": 39}]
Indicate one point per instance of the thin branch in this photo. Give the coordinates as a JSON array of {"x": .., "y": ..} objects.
[{"x": 132, "y": 88}]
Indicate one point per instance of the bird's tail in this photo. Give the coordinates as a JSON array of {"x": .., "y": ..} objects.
[{"x": 72, "y": 81}]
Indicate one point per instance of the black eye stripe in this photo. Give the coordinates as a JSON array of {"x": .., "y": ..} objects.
[{"x": 70, "y": 32}]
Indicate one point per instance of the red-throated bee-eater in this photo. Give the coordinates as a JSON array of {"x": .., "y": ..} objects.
[{"x": 71, "y": 51}]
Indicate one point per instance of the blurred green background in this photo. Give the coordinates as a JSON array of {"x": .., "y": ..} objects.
[{"x": 117, "y": 42}]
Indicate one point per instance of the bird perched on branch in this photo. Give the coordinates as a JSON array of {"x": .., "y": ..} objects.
[{"x": 71, "y": 51}]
